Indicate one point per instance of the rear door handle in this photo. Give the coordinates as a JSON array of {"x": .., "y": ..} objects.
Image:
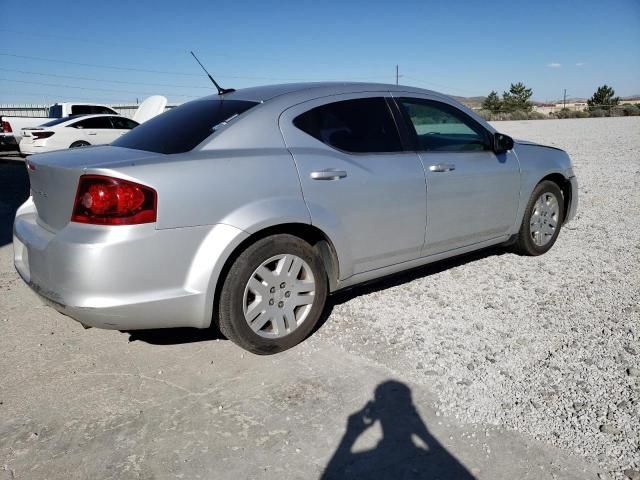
[
  {"x": 442, "y": 167},
  {"x": 328, "y": 174},
  {"x": 91, "y": 133}
]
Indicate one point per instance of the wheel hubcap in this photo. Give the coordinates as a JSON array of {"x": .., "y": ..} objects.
[
  {"x": 544, "y": 219},
  {"x": 278, "y": 296}
]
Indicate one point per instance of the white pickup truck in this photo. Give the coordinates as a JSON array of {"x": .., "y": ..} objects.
[{"x": 11, "y": 127}]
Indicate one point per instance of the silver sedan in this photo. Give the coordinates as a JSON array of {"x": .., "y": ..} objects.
[{"x": 245, "y": 210}]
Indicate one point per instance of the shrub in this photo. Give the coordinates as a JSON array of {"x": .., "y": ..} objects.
[
  {"x": 598, "y": 113},
  {"x": 519, "y": 115},
  {"x": 629, "y": 110},
  {"x": 567, "y": 113}
]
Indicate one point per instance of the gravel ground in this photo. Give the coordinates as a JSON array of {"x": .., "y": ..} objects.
[{"x": 548, "y": 346}]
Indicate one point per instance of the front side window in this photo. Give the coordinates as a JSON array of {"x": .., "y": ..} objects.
[
  {"x": 363, "y": 125},
  {"x": 95, "y": 122},
  {"x": 182, "y": 128},
  {"x": 100, "y": 110},
  {"x": 443, "y": 128}
]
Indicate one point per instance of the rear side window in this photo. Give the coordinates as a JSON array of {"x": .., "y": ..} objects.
[
  {"x": 91, "y": 110},
  {"x": 81, "y": 110},
  {"x": 363, "y": 125},
  {"x": 95, "y": 122},
  {"x": 182, "y": 128}
]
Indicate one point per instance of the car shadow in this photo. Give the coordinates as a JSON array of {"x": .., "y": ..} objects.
[
  {"x": 407, "y": 449},
  {"x": 175, "y": 336},
  {"x": 402, "y": 278},
  {"x": 14, "y": 190}
]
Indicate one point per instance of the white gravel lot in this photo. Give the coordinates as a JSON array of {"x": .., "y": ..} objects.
[{"x": 548, "y": 346}]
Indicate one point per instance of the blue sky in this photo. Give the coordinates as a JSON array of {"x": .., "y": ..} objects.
[{"x": 458, "y": 47}]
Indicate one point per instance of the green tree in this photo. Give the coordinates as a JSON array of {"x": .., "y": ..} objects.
[
  {"x": 492, "y": 103},
  {"x": 603, "y": 98},
  {"x": 517, "y": 98}
]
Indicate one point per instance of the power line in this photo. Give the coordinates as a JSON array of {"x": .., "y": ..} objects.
[
  {"x": 447, "y": 87},
  {"x": 88, "y": 88},
  {"x": 112, "y": 67},
  {"x": 43, "y": 96},
  {"x": 103, "y": 80},
  {"x": 136, "y": 45},
  {"x": 165, "y": 72},
  {"x": 84, "y": 39}
]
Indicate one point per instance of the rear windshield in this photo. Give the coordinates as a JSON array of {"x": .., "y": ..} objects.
[
  {"x": 55, "y": 111},
  {"x": 59, "y": 120},
  {"x": 182, "y": 128}
]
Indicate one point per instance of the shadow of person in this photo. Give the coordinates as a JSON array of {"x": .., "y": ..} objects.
[
  {"x": 406, "y": 451},
  {"x": 14, "y": 190}
]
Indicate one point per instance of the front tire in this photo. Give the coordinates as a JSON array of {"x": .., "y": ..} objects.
[
  {"x": 542, "y": 220},
  {"x": 273, "y": 295},
  {"x": 79, "y": 143}
]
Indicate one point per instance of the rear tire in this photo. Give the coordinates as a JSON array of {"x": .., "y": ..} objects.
[
  {"x": 542, "y": 220},
  {"x": 273, "y": 295},
  {"x": 79, "y": 143}
]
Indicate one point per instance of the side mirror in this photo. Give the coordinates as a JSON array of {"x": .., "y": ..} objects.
[{"x": 502, "y": 143}]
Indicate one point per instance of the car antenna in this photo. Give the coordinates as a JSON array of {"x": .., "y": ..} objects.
[{"x": 221, "y": 91}]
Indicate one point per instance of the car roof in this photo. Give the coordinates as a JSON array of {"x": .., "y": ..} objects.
[
  {"x": 267, "y": 92},
  {"x": 84, "y": 116},
  {"x": 75, "y": 118}
]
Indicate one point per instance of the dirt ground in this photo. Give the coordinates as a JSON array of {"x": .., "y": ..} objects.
[{"x": 367, "y": 395}]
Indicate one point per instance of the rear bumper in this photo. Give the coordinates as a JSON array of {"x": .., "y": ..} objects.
[
  {"x": 30, "y": 149},
  {"x": 8, "y": 140},
  {"x": 125, "y": 277},
  {"x": 573, "y": 206}
]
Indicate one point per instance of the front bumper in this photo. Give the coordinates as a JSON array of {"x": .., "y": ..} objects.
[
  {"x": 124, "y": 277},
  {"x": 573, "y": 205}
]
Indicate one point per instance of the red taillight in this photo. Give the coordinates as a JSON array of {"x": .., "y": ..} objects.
[
  {"x": 40, "y": 135},
  {"x": 102, "y": 200},
  {"x": 6, "y": 127}
]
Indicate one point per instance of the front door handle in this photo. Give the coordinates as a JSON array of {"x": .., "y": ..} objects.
[
  {"x": 442, "y": 167},
  {"x": 328, "y": 174},
  {"x": 91, "y": 133}
]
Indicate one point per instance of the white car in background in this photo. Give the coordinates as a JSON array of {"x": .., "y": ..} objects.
[
  {"x": 76, "y": 131},
  {"x": 98, "y": 132}
]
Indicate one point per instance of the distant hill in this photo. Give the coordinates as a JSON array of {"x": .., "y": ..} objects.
[
  {"x": 471, "y": 102},
  {"x": 476, "y": 102}
]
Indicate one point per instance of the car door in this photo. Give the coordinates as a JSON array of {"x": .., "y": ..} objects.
[
  {"x": 472, "y": 193},
  {"x": 361, "y": 188}
]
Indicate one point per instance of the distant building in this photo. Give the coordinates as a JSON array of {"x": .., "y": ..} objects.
[
  {"x": 547, "y": 108},
  {"x": 544, "y": 108}
]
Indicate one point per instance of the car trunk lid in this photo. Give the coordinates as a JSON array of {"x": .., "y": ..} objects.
[{"x": 54, "y": 178}]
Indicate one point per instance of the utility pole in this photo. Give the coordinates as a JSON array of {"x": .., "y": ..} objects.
[
  {"x": 397, "y": 75},
  {"x": 564, "y": 99}
]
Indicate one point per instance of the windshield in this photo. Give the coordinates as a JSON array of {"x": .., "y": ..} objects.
[
  {"x": 55, "y": 111},
  {"x": 182, "y": 128},
  {"x": 59, "y": 120}
]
